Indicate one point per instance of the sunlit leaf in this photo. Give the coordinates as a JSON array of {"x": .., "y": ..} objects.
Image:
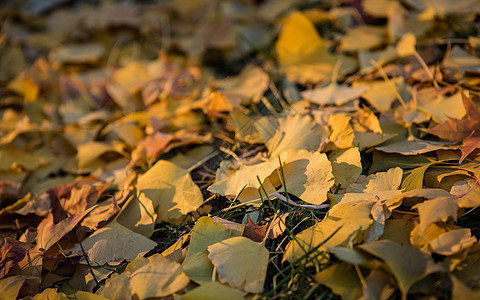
[{"x": 240, "y": 262}]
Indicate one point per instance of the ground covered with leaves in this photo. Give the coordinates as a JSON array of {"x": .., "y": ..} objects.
[{"x": 240, "y": 149}]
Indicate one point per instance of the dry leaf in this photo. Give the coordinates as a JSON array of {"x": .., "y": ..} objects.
[
  {"x": 240, "y": 262},
  {"x": 196, "y": 265}
]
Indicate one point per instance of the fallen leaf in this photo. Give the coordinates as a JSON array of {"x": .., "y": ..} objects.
[
  {"x": 240, "y": 262},
  {"x": 113, "y": 244},
  {"x": 10, "y": 286},
  {"x": 254, "y": 232},
  {"x": 342, "y": 279},
  {"x": 408, "y": 265},
  {"x": 440, "y": 209},
  {"x": 304, "y": 55},
  {"x": 11, "y": 252},
  {"x": 170, "y": 189},
  {"x": 333, "y": 94},
  {"x": 213, "y": 291},
  {"x": 292, "y": 132},
  {"x": 456, "y": 130},
  {"x": 196, "y": 265}
]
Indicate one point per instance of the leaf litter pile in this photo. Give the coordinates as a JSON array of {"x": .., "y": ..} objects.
[{"x": 240, "y": 149}]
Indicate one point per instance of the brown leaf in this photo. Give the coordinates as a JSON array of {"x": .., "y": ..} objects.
[
  {"x": 11, "y": 252},
  {"x": 254, "y": 232}
]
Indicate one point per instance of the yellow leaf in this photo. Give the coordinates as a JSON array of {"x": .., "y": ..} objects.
[
  {"x": 333, "y": 94},
  {"x": 341, "y": 133},
  {"x": 170, "y": 189},
  {"x": 436, "y": 210},
  {"x": 218, "y": 103},
  {"x": 441, "y": 109},
  {"x": 25, "y": 87},
  {"x": 50, "y": 294},
  {"x": 90, "y": 152},
  {"x": 407, "y": 264},
  {"x": 113, "y": 244},
  {"x": 308, "y": 175},
  {"x": 452, "y": 242},
  {"x": 144, "y": 278},
  {"x": 10, "y": 286},
  {"x": 291, "y": 132},
  {"x": 338, "y": 222},
  {"x": 196, "y": 265},
  {"x": 240, "y": 262},
  {"x": 159, "y": 277},
  {"x": 363, "y": 37},
  {"x": 381, "y": 181},
  {"x": 250, "y": 84},
  {"x": 342, "y": 279},
  {"x": 213, "y": 291},
  {"x": 131, "y": 77},
  {"x": 406, "y": 45},
  {"x": 302, "y": 53},
  {"x": 138, "y": 215},
  {"x": 346, "y": 167},
  {"x": 381, "y": 94}
]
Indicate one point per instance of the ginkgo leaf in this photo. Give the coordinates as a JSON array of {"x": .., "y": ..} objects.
[
  {"x": 88, "y": 153},
  {"x": 441, "y": 109},
  {"x": 171, "y": 190},
  {"x": 351, "y": 256},
  {"x": 456, "y": 130},
  {"x": 406, "y": 45},
  {"x": 159, "y": 277},
  {"x": 112, "y": 244},
  {"x": 308, "y": 175},
  {"x": 196, "y": 265},
  {"x": 346, "y": 167},
  {"x": 382, "y": 94},
  {"x": 342, "y": 279},
  {"x": 414, "y": 178},
  {"x": 244, "y": 178},
  {"x": 439, "y": 209},
  {"x": 302, "y": 53},
  {"x": 338, "y": 228},
  {"x": 250, "y": 84},
  {"x": 240, "y": 262},
  {"x": 138, "y": 215},
  {"x": 213, "y": 291},
  {"x": 341, "y": 132},
  {"x": 452, "y": 242},
  {"x": 292, "y": 132},
  {"x": 218, "y": 103},
  {"x": 333, "y": 94},
  {"x": 407, "y": 264},
  {"x": 10, "y": 286},
  {"x": 468, "y": 192},
  {"x": 144, "y": 278},
  {"x": 380, "y": 181},
  {"x": 363, "y": 37},
  {"x": 52, "y": 294},
  {"x": 412, "y": 147}
]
